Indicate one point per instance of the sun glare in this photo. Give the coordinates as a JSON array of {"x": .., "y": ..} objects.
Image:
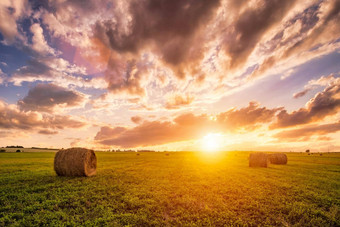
[{"x": 211, "y": 142}]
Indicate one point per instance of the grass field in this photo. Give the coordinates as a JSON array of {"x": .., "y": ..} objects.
[{"x": 182, "y": 189}]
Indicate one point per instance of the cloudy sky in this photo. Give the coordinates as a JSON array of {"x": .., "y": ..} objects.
[{"x": 164, "y": 74}]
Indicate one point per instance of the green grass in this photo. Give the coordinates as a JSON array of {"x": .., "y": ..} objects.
[{"x": 182, "y": 189}]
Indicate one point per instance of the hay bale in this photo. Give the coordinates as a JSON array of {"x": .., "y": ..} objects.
[
  {"x": 278, "y": 158},
  {"x": 258, "y": 159},
  {"x": 75, "y": 162}
]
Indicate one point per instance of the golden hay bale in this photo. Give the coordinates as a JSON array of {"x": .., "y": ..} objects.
[
  {"x": 258, "y": 159},
  {"x": 75, "y": 162},
  {"x": 278, "y": 158}
]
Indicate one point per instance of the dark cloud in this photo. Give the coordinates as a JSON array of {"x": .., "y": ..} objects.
[
  {"x": 160, "y": 21},
  {"x": 12, "y": 118},
  {"x": 34, "y": 68},
  {"x": 136, "y": 119},
  {"x": 45, "y": 97},
  {"x": 251, "y": 25},
  {"x": 169, "y": 28},
  {"x": 325, "y": 103},
  {"x": 306, "y": 132},
  {"x": 249, "y": 117}
]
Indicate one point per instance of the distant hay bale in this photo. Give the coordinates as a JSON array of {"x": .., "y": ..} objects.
[
  {"x": 18, "y": 151},
  {"x": 75, "y": 162},
  {"x": 278, "y": 158},
  {"x": 138, "y": 154},
  {"x": 258, "y": 159},
  {"x": 167, "y": 154}
]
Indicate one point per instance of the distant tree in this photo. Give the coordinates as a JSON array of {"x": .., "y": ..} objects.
[{"x": 307, "y": 151}]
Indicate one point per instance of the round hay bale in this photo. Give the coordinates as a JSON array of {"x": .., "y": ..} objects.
[
  {"x": 258, "y": 159},
  {"x": 75, "y": 162},
  {"x": 278, "y": 159}
]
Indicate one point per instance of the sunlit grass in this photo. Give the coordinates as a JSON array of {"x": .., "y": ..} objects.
[{"x": 179, "y": 189}]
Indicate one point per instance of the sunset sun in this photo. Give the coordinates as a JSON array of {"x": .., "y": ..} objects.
[{"x": 211, "y": 142}]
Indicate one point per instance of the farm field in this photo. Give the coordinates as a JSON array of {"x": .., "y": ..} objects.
[{"x": 179, "y": 189}]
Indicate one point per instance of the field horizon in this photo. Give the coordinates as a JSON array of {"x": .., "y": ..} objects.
[{"x": 35, "y": 149}]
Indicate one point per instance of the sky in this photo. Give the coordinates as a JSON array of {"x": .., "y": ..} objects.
[{"x": 170, "y": 74}]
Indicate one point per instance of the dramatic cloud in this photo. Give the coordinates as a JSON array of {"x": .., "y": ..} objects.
[
  {"x": 12, "y": 118},
  {"x": 306, "y": 132},
  {"x": 324, "y": 104},
  {"x": 48, "y": 97},
  {"x": 169, "y": 24},
  {"x": 169, "y": 29},
  {"x": 251, "y": 25},
  {"x": 308, "y": 34}
]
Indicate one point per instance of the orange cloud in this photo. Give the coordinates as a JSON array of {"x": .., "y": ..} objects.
[
  {"x": 249, "y": 117},
  {"x": 185, "y": 127},
  {"x": 178, "y": 101},
  {"x": 136, "y": 119},
  {"x": 306, "y": 132},
  {"x": 12, "y": 118},
  {"x": 47, "y": 132}
]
